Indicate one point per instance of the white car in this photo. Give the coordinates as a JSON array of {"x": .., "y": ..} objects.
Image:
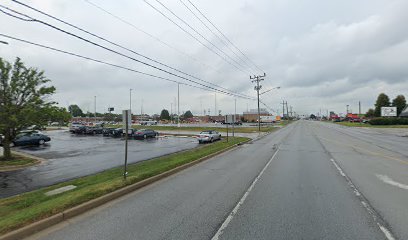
[{"x": 208, "y": 136}]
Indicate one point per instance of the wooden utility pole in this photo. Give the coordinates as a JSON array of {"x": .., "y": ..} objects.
[{"x": 257, "y": 80}]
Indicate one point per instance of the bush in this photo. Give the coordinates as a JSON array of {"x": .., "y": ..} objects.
[{"x": 388, "y": 121}]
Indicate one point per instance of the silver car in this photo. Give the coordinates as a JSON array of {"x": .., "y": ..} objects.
[{"x": 208, "y": 136}]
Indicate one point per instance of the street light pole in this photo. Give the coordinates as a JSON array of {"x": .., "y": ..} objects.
[
  {"x": 95, "y": 109},
  {"x": 178, "y": 104},
  {"x": 130, "y": 102}
]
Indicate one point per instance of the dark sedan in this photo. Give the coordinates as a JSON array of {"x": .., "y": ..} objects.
[
  {"x": 93, "y": 130},
  {"x": 145, "y": 133},
  {"x": 30, "y": 139}
]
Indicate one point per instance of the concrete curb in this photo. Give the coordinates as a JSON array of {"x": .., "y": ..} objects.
[{"x": 80, "y": 209}]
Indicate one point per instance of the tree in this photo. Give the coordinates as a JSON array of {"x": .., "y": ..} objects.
[
  {"x": 164, "y": 115},
  {"x": 188, "y": 114},
  {"x": 60, "y": 115},
  {"x": 382, "y": 101},
  {"x": 370, "y": 113},
  {"x": 75, "y": 110},
  {"x": 23, "y": 100},
  {"x": 400, "y": 103}
]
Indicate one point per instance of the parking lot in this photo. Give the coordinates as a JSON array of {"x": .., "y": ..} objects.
[{"x": 70, "y": 156}]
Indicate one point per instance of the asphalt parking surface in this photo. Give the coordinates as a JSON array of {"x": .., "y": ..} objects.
[{"x": 70, "y": 156}]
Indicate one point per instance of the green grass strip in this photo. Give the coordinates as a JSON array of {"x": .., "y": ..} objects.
[
  {"x": 355, "y": 124},
  {"x": 26, "y": 208}
]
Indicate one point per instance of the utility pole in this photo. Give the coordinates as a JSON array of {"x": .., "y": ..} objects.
[
  {"x": 130, "y": 102},
  {"x": 95, "y": 109},
  {"x": 283, "y": 109},
  {"x": 178, "y": 104},
  {"x": 347, "y": 110},
  {"x": 257, "y": 80},
  {"x": 287, "y": 109},
  {"x": 359, "y": 108}
]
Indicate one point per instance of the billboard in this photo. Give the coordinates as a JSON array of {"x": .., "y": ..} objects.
[{"x": 388, "y": 111}]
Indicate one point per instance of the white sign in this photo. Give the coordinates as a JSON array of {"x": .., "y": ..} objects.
[
  {"x": 129, "y": 118},
  {"x": 267, "y": 119},
  {"x": 229, "y": 119},
  {"x": 388, "y": 111}
]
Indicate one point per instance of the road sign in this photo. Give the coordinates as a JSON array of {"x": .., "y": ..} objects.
[
  {"x": 230, "y": 118},
  {"x": 388, "y": 111},
  {"x": 129, "y": 118}
]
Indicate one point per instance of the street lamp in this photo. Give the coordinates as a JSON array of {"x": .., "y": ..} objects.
[{"x": 269, "y": 90}]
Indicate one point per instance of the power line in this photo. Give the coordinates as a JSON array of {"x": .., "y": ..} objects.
[
  {"x": 151, "y": 35},
  {"x": 216, "y": 35},
  {"x": 104, "y": 39},
  {"x": 113, "y": 51},
  {"x": 109, "y": 64},
  {"x": 202, "y": 14},
  {"x": 191, "y": 35},
  {"x": 206, "y": 39}
]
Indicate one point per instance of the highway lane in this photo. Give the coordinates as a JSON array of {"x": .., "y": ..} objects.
[
  {"x": 296, "y": 192},
  {"x": 377, "y": 164}
]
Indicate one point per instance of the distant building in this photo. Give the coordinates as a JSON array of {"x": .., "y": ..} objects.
[{"x": 252, "y": 114}]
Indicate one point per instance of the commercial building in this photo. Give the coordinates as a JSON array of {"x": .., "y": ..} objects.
[{"x": 252, "y": 114}]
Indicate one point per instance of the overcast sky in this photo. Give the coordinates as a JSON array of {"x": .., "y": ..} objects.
[{"x": 323, "y": 54}]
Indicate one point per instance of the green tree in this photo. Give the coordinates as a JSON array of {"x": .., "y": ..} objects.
[
  {"x": 23, "y": 100},
  {"x": 382, "y": 101},
  {"x": 57, "y": 114},
  {"x": 164, "y": 115},
  {"x": 75, "y": 110},
  {"x": 188, "y": 114},
  {"x": 370, "y": 113},
  {"x": 400, "y": 103}
]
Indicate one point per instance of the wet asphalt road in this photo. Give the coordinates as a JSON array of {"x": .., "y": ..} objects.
[
  {"x": 69, "y": 156},
  {"x": 309, "y": 180}
]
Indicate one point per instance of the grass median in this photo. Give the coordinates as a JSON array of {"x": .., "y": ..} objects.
[
  {"x": 26, "y": 208},
  {"x": 16, "y": 161},
  {"x": 219, "y": 128},
  {"x": 355, "y": 124}
]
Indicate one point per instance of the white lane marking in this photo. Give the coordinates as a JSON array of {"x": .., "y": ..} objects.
[
  {"x": 369, "y": 209},
  {"x": 389, "y": 181},
  {"x": 241, "y": 201}
]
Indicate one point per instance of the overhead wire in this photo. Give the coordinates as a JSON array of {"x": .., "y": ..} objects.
[
  {"x": 217, "y": 36},
  {"x": 202, "y": 14},
  {"x": 118, "y": 53},
  {"x": 104, "y": 62},
  {"x": 151, "y": 35},
  {"x": 106, "y": 40},
  {"x": 194, "y": 37},
  {"x": 197, "y": 32}
]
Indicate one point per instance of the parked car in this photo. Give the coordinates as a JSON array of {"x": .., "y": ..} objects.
[
  {"x": 24, "y": 139},
  {"x": 145, "y": 133},
  {"x": 148, "y": 123},
  {"x": 80, "y": 130},
  {"x": 93, "y": 130},
  {"x": 208, "y": 136},
  {"x": 74, "y": 126},
  {"x": 117, "y": 132},
  {"x": 107, "y": 132}
]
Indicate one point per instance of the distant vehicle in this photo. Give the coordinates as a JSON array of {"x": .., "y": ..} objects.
[
  {"x": 24, "y": 139},
  {"x": 145, "y": 133},
  {"x": 35, "y": 127},
  {"x": 93, "y": 130},
  {"x": 208, "y": 136},
  {"x": 148, "y": 123},
  {"x": 107, "y": 132},
  {"x": 117, "y": 132},
  {"x": 356, "y": 120},
  {"x": 74, "y": 126},
  {"x": 80, "y": 129}
]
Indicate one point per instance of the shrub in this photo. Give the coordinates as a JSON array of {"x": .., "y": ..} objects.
[{"x": 388, "y": 121}]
